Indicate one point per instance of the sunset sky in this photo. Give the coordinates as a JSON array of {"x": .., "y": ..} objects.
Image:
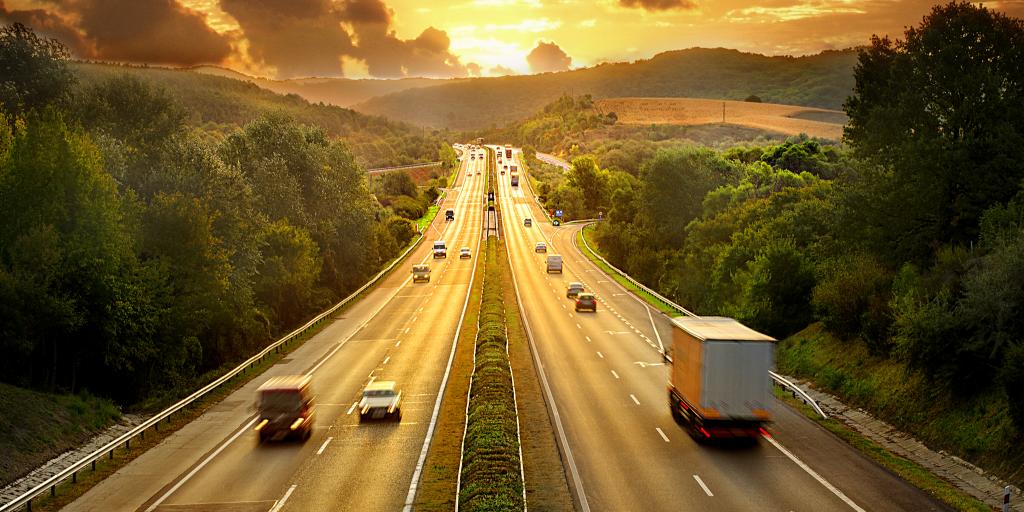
[{"x": 395, "y": 38}]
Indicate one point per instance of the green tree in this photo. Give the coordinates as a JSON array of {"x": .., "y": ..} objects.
[
  {"x": 397, "y": 183},
  {"x": 941, "y": 114},
  {"x": 591, "y": 181},
  {"x": 33, "y": 70}
]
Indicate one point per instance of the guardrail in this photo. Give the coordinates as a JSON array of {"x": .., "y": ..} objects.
[
  {"x": 400, "y": 167},
  {"x": 140, "y": 431},
  {"x": 553, "y": 160},
  {"x": 776, "y": 378}
]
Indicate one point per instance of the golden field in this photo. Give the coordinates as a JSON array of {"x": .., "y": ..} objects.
[{"x": 785, "y": 119}]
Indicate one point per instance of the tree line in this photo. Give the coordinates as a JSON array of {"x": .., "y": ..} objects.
[{"x": 139, "y": 253}]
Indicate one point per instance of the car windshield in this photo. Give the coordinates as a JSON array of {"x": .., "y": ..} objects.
[
  {"x": 375, "y": 393},
  {"x": 280, "y": 401}
]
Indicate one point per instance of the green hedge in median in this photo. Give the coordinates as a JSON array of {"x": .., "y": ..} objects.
[{"x": 491, "y": 477}]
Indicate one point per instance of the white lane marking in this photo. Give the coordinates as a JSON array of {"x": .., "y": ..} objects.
[
  {"x": 202, "y": 464},
  {"x": 563, "y": 306},
  {"x": 615, "y": 374},
  {"x": 324, "y": 446},
  {"x": 702, "y": 485},
  {"x": 350, "y": 409},
  {"x": 397, "y": 343},
  {"x": 413, "y": 320},
  {"x": 661, "y": 433},
  {"x": 661, "y": 346},
  {"x": 600, "y": 355},
  {"x": 635, "y": 401},
  {"x": 287, "y": 494},
  {"x": 570, "y": 315},
  {"x": 578, "y": 326},
  {"x": 588, "y": 339},
  {"x": 813, "y": 474},
  {"x": 386, "y": 359},
  {"x": 407, "y": 330}
]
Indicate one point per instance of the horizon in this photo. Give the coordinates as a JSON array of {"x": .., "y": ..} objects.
[{"x": 393, "y": 39}]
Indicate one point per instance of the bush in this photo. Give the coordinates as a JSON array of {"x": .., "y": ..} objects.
[
  {"x": 753, "y": 99},
  {"x": 407, "y": 207},
  {"x": 403, "y": 230},
  {"x": 852, "y": 299},
  {"x": 777, "y": 293}
]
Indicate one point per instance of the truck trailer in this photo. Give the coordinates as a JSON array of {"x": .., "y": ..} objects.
[
  {"x": 508, "y": 151},
  {"x": 719, "y": 386}
]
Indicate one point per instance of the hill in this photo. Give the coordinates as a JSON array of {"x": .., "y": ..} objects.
[
  {"x": 342, "y": 92},
  {"x": 222, "y": 104},
  {"x": 784, "y": 119},
  {"x": 823, "y": 80}
]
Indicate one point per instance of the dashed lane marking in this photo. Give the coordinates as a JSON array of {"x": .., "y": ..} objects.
[
  {"x": 703, "y": 485},
  {"x": 662, "y": 434}
]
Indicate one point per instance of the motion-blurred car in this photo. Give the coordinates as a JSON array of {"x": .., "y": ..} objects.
[
  {"x": 440, "y": 249},
  {"x": 286, "y": 408},
  {"x": 586, "y": 302},
  {"x": 573, "y": 290},
  {"x": 381, "y": 401},
  {"x": 540, "y": 247},
  {"x": 527, "y": 222},
  {"x": 464, "y": 253}
]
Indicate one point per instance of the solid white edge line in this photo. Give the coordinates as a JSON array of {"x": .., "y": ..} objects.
[
  {"x": 287, "y": 494},
  {"x": 581, "y": 495},
  {"x": 202, "y": 464},
  {"x": 350, "y": 409},
  {"x": 814, "y": 474},
  {"x": 324, "y": 446},
  {"x": 703, "y": 486},
  {"x": 661, "y": 433},
  {"x": 414, "y": 484}
]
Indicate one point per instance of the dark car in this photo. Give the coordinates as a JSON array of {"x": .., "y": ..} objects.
[
  {"x": 286, "y": 408},
  {"x": 449, "y": 215},
  {"x": 586, "y": 302},
  {"x": 573, "y": 290}
]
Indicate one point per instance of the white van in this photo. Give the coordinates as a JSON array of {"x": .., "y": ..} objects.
[
  {"x": 554, "y": 264},
  {"x": 440, "y": 250}
]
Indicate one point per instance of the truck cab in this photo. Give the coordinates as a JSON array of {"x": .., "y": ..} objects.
[{"x": 286, "y": 408}]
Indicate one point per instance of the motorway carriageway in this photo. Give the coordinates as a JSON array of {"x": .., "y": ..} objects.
[
  {"x": 399, "y": 331},
  {"x": 608, "y": 381}
]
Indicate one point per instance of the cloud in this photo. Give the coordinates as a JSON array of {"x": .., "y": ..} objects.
[
  {"x": 295, "y": 37},
  {"x": 658, "y": 5},
  {"x": 474, "y": 69},
  {"x": 548, "y": 57},
  {"x": 151, "y": 31},
  {"x": 500, "y": 70},
  {"x": 315, "y": 37}
]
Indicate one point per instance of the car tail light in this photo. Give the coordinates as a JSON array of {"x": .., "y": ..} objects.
[{"x": 705, "y": 432}]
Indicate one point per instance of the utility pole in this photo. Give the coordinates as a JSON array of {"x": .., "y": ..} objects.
[{"x": 723, "y": 112}]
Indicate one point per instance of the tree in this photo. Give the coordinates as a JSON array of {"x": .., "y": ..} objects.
[
  {"x": 397, "y": 183},
  {"x": 33, "y": 70},
  {"x": 591, "y": 181},
  {"x": 941, "y": 115}
]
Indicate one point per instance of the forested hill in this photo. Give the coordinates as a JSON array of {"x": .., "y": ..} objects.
[
  {"x": 222, "y": 104},
  {"x": 822, "y": 80}
]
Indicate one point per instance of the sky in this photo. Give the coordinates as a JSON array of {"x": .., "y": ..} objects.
[{"x": 451, "y": 38}]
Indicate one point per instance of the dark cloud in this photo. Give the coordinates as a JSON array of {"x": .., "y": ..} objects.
[
  {"x": 297, "y": 37},
  {"x": 658, "y": 5},
  {"x": 311, "y": 37},
  {"x": 152, "y": 31},
  {"x": 51, "y": 25},
  {"x": 548, "y": 57}
]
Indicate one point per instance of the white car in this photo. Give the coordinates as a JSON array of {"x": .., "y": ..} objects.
[
  {"x": 380, "y": 401},
  {"x": 464, "y": 253}
]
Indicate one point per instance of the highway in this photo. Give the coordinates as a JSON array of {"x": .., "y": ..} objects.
[
  {"x": 400, "y": 331},
  {"x": 609, "y": 387}
]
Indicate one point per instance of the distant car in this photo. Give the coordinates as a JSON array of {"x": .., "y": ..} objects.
[
  {"x": 574, "y": 290},
  {"x": 477, "y": 172},
  {"x": 464, "y": 253},
  {"x": 585, "y": 302},
  {"x": 449, "y": 215},
  {"x": 440, "y": 249},
  {"x": 472, "y": 157},
  {"x": 381, "y": 401},
  {"x": 286, "y": 408},
  {"x": 540, "y": 247},
  {"x": 527, "y": 222},
  {"x": 503, "y": 171},
  {"x": 421, "y": 273}
]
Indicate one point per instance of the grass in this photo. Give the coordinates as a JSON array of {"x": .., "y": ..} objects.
[
  {"x": 428, "y": 217},
  {"x": 976, "y": 428},
  {"x": 906, "y": 469},
  {"x": 68, "y": 491},
  {"x": 786, "y": 119},
  {"x": 650, "y": 299},
  {"x": 491, "y": 477}
]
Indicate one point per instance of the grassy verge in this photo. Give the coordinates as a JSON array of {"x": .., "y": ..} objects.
[
  {"x": 547, "y": 487},
  {"x": 977, "y": 429},
  {"x": 427, "y": 218},
  {"x": 491, "y": 477},
  {"x": 906, "y": 469},
  {"x": 68, "y": 491},
  {"x": 650, "y": 299},
  {"x": 439, "y": 481}
]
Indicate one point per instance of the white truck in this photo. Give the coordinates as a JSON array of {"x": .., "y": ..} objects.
[
  {"x": 440, "y": 249},
  {"x": 718, "y": 383}
]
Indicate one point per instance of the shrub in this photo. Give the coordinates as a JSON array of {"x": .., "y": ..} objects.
[
  {"x": 852, "y": 298},
  {"x": 407, "y": 207}
]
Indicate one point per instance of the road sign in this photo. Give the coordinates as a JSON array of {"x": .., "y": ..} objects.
[
  {"x": 556, "y": 222},
  {"x": 558, "y": 213}
]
